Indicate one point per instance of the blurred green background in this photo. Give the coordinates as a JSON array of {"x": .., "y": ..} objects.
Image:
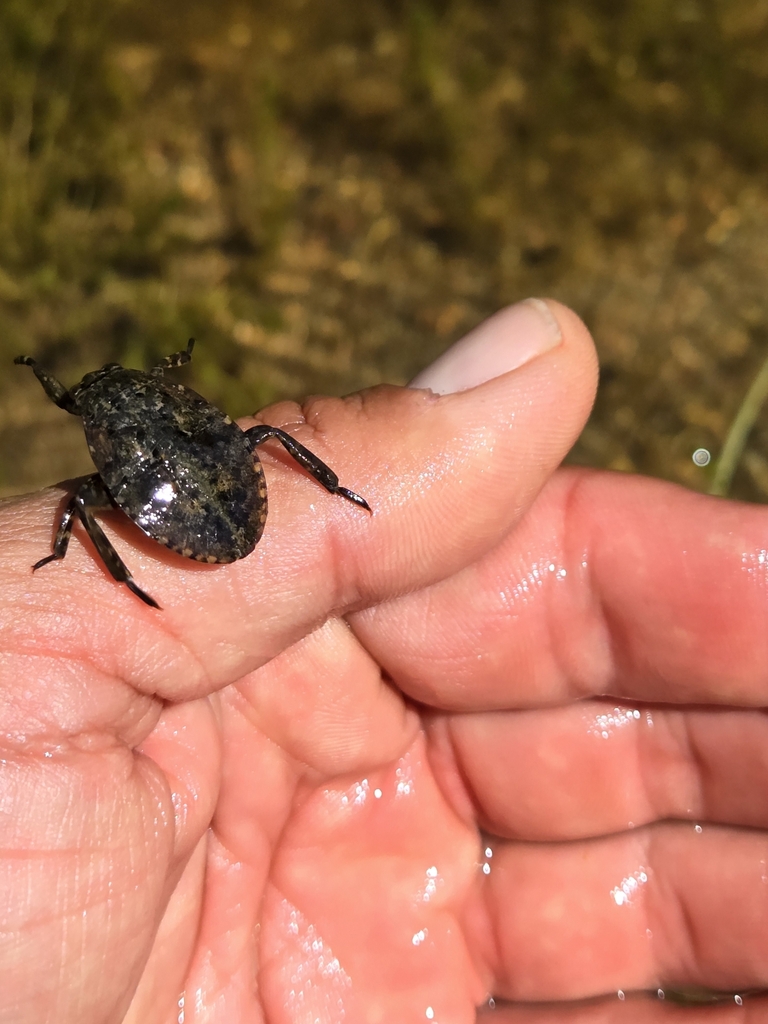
[{"x": 326, "y": 194}]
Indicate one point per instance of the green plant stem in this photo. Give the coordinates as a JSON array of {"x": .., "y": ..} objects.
[{"x": 737, "y": 436}]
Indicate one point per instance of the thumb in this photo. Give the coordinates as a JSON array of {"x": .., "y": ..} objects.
[
  {"x": 515, "y": 394},
  {"x": 505, "y": 342}
]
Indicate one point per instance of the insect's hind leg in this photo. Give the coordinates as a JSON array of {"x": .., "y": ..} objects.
[
  {"x": 52, "y": 387},
  {"x": 91, "y": 495},
  {"x": 175, "y": 359},
  {"x": 313, "y": 465}
]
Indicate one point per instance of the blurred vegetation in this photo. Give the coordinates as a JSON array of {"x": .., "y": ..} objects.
[{"x": 327, "y": 194}]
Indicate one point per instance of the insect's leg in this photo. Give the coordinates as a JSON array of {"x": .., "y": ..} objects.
[
  {"x": 90, "y": 495},
  {"x": 64, "y": 532},
  {"x": 175, "y": 359},
  {"x": 92, "y": 490},
  {"x": 314, "y": 466},
  {"x": 52, "y": 387}
]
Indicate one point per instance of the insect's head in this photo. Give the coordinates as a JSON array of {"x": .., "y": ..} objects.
[{"x": 93, "y": 377}]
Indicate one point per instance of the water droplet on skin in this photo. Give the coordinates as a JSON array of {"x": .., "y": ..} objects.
[
  {"x": 624, "y": 893},
  {"x": 621, "y": 995},
  {"x": 429, "y": 1013},
  {"x": 606, "y": 723},
  {"x": 488, "y": 852},
  {"x": 315, "y": 973},
  {"x": 404, "y": 785},
  {"x": 431, "y": 887},
  {"x": 377, "y": 794},
  {"x": 698, "y": 829},
  {"x": 738, "y": 1000},
  {"x": 660, "y": 994},
  {"x": 486, "y": 868}
]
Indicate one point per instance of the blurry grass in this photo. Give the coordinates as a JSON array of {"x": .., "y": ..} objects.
[
  {"x": 739, "y": 431},
  {"x": 95, "y": 221},
  {"x": 325, "y": 195}
]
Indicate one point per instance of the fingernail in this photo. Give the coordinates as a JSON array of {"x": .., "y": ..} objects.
[{"x": 506, "y": 341}]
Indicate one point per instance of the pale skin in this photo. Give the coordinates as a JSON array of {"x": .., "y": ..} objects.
[{"x": 274, "y": 797}]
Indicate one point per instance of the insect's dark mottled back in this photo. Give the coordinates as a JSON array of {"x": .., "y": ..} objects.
[{"x": 176, "y": 465}]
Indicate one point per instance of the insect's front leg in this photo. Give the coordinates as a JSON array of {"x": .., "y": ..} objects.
[
  {"x": 313, "y": 465},
  {"x": 174, "y": 360},
  {"x": 90, "y": 496},
  {"x": 52, "y": 387}
]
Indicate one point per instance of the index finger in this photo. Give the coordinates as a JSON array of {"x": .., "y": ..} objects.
[{"x": 611, "y": 585}]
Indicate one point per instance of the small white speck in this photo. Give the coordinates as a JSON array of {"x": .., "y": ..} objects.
[
  {"x": 486, "y": 868},
  {"x": 491, "y": 1003},
  {"x": 552, "y": 566},
  {"x": 377, "y": 794},
  {"x": 432, "y": 872},
  {"x": 701, "y": 457},
  {"x": 488, "y": 852},
  {"x": 648, "y": 933},
  {"x": 429, "y": 1013},
  {"x": 660, "y": 994},
  {"x": 419, "y": 937},
  {"x": 698, "y": 828},
  {"x": 621, "y": 995},
  {"x": 738, "y": 1000}
]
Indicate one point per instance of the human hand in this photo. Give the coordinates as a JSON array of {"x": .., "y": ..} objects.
[{"x": 236, "y": 800}]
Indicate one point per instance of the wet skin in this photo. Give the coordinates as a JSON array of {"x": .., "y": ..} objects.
[{"x": 275, "y": 801}]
